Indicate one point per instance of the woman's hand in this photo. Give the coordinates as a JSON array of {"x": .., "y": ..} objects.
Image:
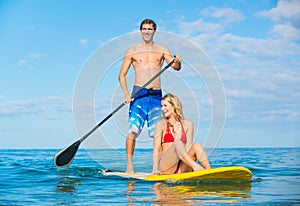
[
  {"x": 197, "y": 167},
  {"x": 157, "y": 172}
]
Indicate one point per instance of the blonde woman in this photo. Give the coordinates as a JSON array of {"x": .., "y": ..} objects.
[{"x": 173, "y": 150}]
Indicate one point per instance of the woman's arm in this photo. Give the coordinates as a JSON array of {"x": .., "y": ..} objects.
[
  {"x": 189, "y": 125},
  {"x": 157, "y": 146},
  {"x": 183, "y": 148}
]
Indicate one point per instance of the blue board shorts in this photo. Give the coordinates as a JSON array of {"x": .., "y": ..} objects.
[{"x": 146, "y": 106}]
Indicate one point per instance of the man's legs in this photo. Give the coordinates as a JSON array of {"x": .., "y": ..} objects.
[
  {"x": 130, "y": 145},
  {"x": 137, "y": 117},
  {"x": 154, "y": 110}
]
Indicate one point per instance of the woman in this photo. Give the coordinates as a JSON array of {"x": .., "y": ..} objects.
[{"x": 173, "y": 150}]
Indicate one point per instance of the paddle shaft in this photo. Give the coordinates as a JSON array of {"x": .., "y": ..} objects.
[
  {"x": 123, "y": 103},
  {"x": 65, "y": 156}
]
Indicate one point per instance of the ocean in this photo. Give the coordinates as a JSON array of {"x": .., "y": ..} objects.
[{"x": 29, "y": 177}]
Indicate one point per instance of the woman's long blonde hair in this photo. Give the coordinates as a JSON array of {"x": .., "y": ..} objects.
[{"x": 175, "y": 102}]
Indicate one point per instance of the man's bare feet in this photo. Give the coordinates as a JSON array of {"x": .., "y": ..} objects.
[{"x": 130, "y": 170}]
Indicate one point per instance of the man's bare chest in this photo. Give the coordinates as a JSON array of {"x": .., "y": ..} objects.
[{"x": 150, "y": 59}]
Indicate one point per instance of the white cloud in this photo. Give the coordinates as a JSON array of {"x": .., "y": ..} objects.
[
  {"x": 261, "y": 76},
  {"x": 24, "y": 63},
  {"x": 49, "y": 107},
  {"x": 286, "y": 31},
  {"x": 287, "y": 15},
  {"x": 200, "y": 27},
  {"x": 211, "y": 23},
  {"x": 31, "y": 56},
  {"x": 286, "y": 10},
  {"x": 224, "y": 15},
  {"x": 248, "y": 47},
  {"x": 254, "y": 94},
  {"x": 83, "y": 42},
  {"x": 36, "y": 55}
]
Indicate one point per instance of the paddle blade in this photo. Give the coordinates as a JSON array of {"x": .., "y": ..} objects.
[{"x": 65, "y": 156}]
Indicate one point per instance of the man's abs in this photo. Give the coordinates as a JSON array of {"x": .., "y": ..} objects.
[{"x": 142, "y": 76}]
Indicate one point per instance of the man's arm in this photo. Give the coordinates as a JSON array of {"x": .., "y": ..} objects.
[
  {"x": 122, "y": 78},
  {"x": 177, "y": 63},
  {"x": 168, "y": 57}
]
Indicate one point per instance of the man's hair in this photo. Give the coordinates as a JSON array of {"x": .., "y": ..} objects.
[{"x": 148, "y": 21}]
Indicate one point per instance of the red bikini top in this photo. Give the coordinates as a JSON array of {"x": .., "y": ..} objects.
[{"x": 169, "y": 136}]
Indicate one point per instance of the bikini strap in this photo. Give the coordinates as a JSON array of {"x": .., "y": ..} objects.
[
  {"x": 183, "y": 134},
  {"x": 168, "y": 129}
]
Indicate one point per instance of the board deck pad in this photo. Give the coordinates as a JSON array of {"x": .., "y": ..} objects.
[{"x": 221, "y": 173}]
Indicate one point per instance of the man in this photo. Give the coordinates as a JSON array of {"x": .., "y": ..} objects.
[{"x": 147, "y": 59}]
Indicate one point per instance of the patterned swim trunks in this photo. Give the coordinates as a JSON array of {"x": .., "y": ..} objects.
[{"x": 146, "y": 106}]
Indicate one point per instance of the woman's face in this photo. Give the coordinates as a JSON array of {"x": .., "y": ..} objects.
[{"x": 167, "y": 109}]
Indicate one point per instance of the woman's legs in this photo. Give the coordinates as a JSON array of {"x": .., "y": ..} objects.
[
  {"x": 188, "y": 162},
  {"x": 197, "y": 152},
  {"x": 168, "y": 161},
  {"x": 170, "y": 158}
]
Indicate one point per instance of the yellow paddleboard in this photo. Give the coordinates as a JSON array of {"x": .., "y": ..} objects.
[{"x": 221, "y": 173}]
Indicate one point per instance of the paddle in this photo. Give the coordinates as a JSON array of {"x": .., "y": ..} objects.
[{"x": 66, "y": 155}]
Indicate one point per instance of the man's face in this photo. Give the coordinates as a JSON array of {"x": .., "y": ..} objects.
[{"x": 147, "y": 32}]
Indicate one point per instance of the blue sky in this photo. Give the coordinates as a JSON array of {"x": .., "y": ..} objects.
[{"x": 45, "y": 46}]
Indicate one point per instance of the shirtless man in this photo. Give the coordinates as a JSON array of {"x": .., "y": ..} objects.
[{"x": 147, "y": 59}]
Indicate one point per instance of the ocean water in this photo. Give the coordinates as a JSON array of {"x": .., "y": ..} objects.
[{"x": 29, "y": 177}]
